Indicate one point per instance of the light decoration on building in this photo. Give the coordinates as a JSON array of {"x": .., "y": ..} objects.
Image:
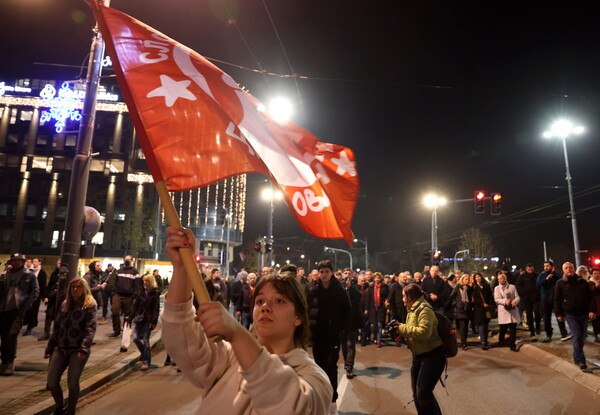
[
  {"x": 106, "y": 62},
  {"x": 7, "y": 88},
  {"x": 139, "y": 178},
  {"x": 62, "y": 107}
]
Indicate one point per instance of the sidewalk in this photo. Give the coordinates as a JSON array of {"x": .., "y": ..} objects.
[
  {"x": 557, "y": 354},
  {"x": 25, "y": 392}
]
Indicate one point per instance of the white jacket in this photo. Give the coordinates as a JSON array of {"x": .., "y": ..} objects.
[
  {"x": 501, "y": 294},
  {"x": 287, "y": 384}
]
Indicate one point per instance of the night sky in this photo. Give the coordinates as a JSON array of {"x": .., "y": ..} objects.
[{"x": 449, "y": 97}]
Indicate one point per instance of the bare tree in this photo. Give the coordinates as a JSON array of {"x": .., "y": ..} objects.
[{"x": 480, "y": 249}]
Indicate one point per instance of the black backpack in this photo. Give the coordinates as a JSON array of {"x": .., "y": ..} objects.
[{"x": 446, "y": 332}]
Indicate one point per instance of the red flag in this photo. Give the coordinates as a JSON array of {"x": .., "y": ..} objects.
[{"x": 197, "y": 126}]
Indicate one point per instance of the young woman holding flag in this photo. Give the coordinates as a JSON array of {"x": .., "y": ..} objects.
[{"x": 267, "y": 371}]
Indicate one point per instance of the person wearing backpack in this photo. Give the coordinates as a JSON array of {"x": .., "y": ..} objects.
[{"x": 429, "y": 358}]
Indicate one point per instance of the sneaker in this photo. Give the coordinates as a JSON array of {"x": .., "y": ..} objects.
[
  {"x": 144, "y": 366},
  {"x": 102, "y": 320},
  {"x": 350, "y": 375},
  {"x": 122, "y": 349},
  {"x": 333, "y": 409},
  {"x": 584, "y": 368},
  {"x": 114, "y": 334},
  {"x": 547, "y": 340},
  {"x": 8, "y": 369},
  {"x": 567, "y": 337}
]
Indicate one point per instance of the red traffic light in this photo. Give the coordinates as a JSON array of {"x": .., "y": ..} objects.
[
  {"x": 198, "y": 258},
  {"x": 479, "y": 195},
  {"x": 596, "y": 261},
  {"x": 479, "y": 198}
]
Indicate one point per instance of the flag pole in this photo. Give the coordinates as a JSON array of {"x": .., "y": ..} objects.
[{"x": 187, "y": 255}]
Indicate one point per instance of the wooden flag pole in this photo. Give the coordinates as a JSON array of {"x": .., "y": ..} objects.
[{"x": 187, "y": 255}]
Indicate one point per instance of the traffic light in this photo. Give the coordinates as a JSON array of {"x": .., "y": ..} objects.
[
  {"x": 479, "y": 200},
  {"x": 437, "y": 257},
  {"x": 197, "y": 258},
  {"x": 257, "y": 246},
  {"x": 595, "y": 262},
  {"x": 496, "y": 199},
  {"x": 268, "y": 247}
]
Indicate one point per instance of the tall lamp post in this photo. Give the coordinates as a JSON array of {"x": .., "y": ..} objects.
[
  {"x": 269, "y": 194},
  {"x": 563, "y": 129},
  {"x": 433, "y": 201},
  {"x": 366, "y": 251}
]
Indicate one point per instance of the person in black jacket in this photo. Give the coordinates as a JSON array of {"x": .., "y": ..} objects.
[
  {"x": 31, "y": 316},
  {"x": 243, "y": 304},
  {"x": 375, "y": 301},
  {"x": 350, "y": 334},
  {"x": 574, "y": 303},
  {"x": 397, "y": 306},
  {"x": 436, "y": 289},
  {"x": 128, "y": 285},
  {"x": 50, "y": 300},
  {"x": 461, "y": 298},
  {"x": 530, "y": 299},
  {"x": 145, "y": 316},
  {"x": 546, "y": 282},
  {"x": 483, "y": 303},
  {"x": 329, "y": 312}
]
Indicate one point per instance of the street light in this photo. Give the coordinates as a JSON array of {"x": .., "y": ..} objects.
[
  {"x": 366, "y": 251},
  {"x": 563, "y": 129},
  {"x": 280, "y": 109},
  {"x": 433, "y": 201},
  {"x": 269, "y": 194}
]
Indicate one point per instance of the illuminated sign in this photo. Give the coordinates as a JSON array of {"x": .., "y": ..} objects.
[
  {"x": 7, "y": 88},
  {"x": 62, "y": 107}
]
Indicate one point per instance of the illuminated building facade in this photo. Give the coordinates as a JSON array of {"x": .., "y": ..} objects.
[{"x": 38, "y": 137}]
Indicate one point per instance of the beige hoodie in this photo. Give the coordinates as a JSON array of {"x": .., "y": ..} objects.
[{"x": 287, "y": 384}]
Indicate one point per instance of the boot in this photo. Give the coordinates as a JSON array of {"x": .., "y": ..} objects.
[
  {"x": 102, "y": 320},
  {"x": 9, "y": 369}
]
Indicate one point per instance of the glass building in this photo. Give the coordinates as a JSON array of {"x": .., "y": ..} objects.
[{"x": 38, "y": 136}]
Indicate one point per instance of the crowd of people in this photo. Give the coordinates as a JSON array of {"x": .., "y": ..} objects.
[{"x": 271, "y": 318}]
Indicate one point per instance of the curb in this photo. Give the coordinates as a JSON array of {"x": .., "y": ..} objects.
[
  {"x": 563, "y": 367},
  {"x": 91, "y": 384}
]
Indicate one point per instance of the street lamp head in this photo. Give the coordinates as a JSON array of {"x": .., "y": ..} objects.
[
  {"x": 562, "y": 129},
  {"x": 280, "y": 109},
  {"x": 433, "y": 201},
  {"x": 270, "y": 194}
]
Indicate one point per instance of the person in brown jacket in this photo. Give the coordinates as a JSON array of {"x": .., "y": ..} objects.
[{"x": 267, "y": 371}]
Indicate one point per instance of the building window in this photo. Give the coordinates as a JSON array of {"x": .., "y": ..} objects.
[
  {"x": 6, "y": 235},
  {"x": 71, "y": 140},
  {"x": 26, "y": 115},
  {"x": 55, "y": 239},
  {"x": 13, "y": 115},
  {"x": 119, "y": 216},
  {"x": 31, "y": 211},
  {"x": 4, "y": 209},
  {"x": 42, "y": 140}
]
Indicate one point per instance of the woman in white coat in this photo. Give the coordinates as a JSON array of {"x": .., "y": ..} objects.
[{"x": 507, "y": 298}]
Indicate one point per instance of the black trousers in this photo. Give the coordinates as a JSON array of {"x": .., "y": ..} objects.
[
  {"x": 463, "y": 329},
  {"x": 547, "y": 306},
  {"x": 31, "y": 315},
  {"x": 326, "y": 357},
  {"x": 425, "y": 372},
  {"x": 512, "y": 334},
  {"x": 534, "y": 317},
  {"x": 349, "y": 348},
  {"x": 10, "y": 325}
]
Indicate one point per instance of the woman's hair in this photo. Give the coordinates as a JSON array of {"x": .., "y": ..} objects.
[
  {"x": 151, "y": 280},
  {"x": 288, "y": 285},
  {"x": 378, "y": 274},
  {"x": 85, "y": 301},
  {"x": 413, "y": 292},
  {"x": 480, "y": 276},
  {"x": 463, "y": 277}
]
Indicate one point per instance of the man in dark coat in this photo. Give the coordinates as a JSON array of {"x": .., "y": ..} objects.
[
  {"x": 436, "y": 289},
  {"x": 356, "y": 322},
  {"x": 574, "y": 303},
  {"x": 31, "y": 317},
  {"x": 397, "y": 306},
  {"x": 530, "y": 299},
  {"x": 329, "y": 312},
  {"x": 546, "y": 282}
]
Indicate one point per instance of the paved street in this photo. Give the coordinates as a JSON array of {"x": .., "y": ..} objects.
[{"x": 492, "y": 382}]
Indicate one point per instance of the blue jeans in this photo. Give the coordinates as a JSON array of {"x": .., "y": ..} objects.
[
  {"x": 141, "y": 338},
  {"x": 246, "y": 319},
  {"x": 425, "y": 372},
  {"x": 578, "y": 329},
  {"x": 376, "y": 330}
]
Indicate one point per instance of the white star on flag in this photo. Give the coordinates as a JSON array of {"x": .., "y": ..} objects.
[
  {"x": 344, "y": 165},
  {"x": 172, "y": 90}
]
